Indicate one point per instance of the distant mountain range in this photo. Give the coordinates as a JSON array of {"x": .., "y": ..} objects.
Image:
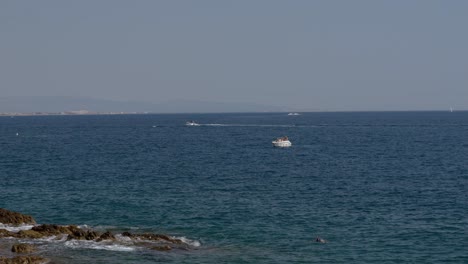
[{"x": 55, "y": 104}]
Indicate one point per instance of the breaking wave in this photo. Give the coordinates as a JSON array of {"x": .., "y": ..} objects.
[
  {"x": 86, "y": 244},
  {"x": 12, "y": 228},
  {"x": 247, "y": 125}
]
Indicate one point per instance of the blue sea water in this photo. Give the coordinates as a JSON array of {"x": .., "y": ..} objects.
[{"x": 380, "y": 187}]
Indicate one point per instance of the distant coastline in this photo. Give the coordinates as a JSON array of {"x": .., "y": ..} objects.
[
  {"x": 89, "y": 113},
  {"x": 72, "y": 113}
]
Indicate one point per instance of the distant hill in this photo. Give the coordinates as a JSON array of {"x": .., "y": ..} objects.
[{"x": 53, "y": 104}]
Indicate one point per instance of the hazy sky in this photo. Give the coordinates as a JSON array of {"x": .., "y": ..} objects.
[{"x": 330, "y": 55}]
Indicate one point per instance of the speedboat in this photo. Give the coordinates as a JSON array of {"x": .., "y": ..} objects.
[
  {"x": 191, "y": 123},
  {"x": 282, "y": 142},
  {"x": 294, "y": 114}
]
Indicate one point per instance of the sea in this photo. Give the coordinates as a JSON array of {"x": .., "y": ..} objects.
[{"x": 377, "y": 187}]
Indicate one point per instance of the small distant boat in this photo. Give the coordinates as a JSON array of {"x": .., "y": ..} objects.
[
  {"x": 191, "y": 123},
  {"x": 282, "y": 142},
  {"x": 293, "y": 114}
]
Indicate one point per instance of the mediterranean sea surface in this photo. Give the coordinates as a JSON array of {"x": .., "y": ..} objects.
[{"x": 379, "y": 187}]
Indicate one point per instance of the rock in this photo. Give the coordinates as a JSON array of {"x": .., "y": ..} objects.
[
  {"x": 127, "y": 234},
  {"x": 91, "y": 235},
  {"x": 50, "y": 230},
  {"x": 162, "y": 248},
  {"x": 320, "y": 240},
  {"x": 81, "y": 234},
  {"x": 6, "y": 233},
  {"x": 29, "y": 234},
  {"x": 153, "y": 237},
  {"x": 23, "y": 260},
  {"x": 23, "y": 248},
  {"x": 106, "y": 236},
  {"x": 14, "y": 218}
]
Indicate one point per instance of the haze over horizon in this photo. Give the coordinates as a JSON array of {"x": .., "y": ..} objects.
[{"x": 327, "y": 55}]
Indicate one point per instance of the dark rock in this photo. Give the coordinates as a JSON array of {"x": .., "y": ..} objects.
[
  {"x": 80, "y": 234},
  {"x": 106, "y": 236},
  {"x": 23, "y": 248},
  {"x": 162, "y": 248},
  {"x": 14, "y": 218},
  {"x": 153, "y": 237},
  {"x": 91, "y": 235},
  {"x": 320, "y": 240},
  {"x": 50, "y": 230},
  {"x": 29, "y": 234},
  {"x": 6, "y": 233},
  {"x": 23, "y": 260},
  {"x": 127, "y": 234}
]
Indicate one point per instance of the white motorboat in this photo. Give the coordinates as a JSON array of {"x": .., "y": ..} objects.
[
  {"x": 293, "y": 114},
  {"x": 191, "y": 123},
  {"x": 282, "y": 142}
]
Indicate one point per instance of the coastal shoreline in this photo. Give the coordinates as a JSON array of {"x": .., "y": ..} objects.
[{"x": 20, "y": 236}]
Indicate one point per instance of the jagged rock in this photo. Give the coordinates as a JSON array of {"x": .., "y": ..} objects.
[
  {"x": 127, "y": 234},
  {"x": 81, "y": 234},
  {"x": 14, "y": 218},
  {"x": 29, "y": 234},
  {"x": 162, "y": 248},
  {"x": 6, "y": 233},
  {"x": 158, "y": 242},
  {"x": 50, "y": 230},
  {"x": 153, "y": 237},
  {"x": 23, "y": 248},
  {"x": 91, "y": 235},
  {"x": 106, "y": 236},
  {"x": 23, "y": 260}
]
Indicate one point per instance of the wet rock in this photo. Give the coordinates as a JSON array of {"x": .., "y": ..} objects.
[
  {"x": 162, "y": 248},
  {"x": 83, "y": 235},
  {"x": 127, "y": 234},
  {"x": 14, "y": 218},
  {"x": 29, "y": 234},
  {"x": 153, "y": 237},
  {"x": 320, "y": 240},
  {"x": 91, "y": 235},
  {"x": 51, "y": 230},
  {"x": 6, "y": 233},
  {"x": 106, "y": 236},
  {"x": 23, "y": 260},
  {"x": 159, "y": 242},
  {"x": 23, "y": 248}
]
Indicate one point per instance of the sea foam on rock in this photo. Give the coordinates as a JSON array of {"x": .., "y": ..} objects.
[{"x": 79, "y": 236}]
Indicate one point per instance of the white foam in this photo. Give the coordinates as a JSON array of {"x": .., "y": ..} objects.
[
  {"x": 193, "y": 243},
  {"x": 16, "y": 228},
  {"x": 96, "y": 245},
  {"x": 121, "y": 238},
  {"x": 58, "y": 238}
]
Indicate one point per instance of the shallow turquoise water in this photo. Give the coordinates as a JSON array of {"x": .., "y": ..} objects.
[{"x": 380, "y": 187}]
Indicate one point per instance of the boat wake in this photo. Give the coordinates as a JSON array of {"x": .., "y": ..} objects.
[{"x": 247, "y": 125}]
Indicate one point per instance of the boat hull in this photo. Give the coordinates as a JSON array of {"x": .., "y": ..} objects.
[
  {"x": 282, "y": 144},
  {"x": 192, "y": 124}
]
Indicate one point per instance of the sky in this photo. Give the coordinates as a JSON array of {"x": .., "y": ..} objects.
[{"x": 318, "y": 55}]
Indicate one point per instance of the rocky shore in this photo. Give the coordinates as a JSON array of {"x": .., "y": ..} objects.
[{"x": 28, "y": 232}]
